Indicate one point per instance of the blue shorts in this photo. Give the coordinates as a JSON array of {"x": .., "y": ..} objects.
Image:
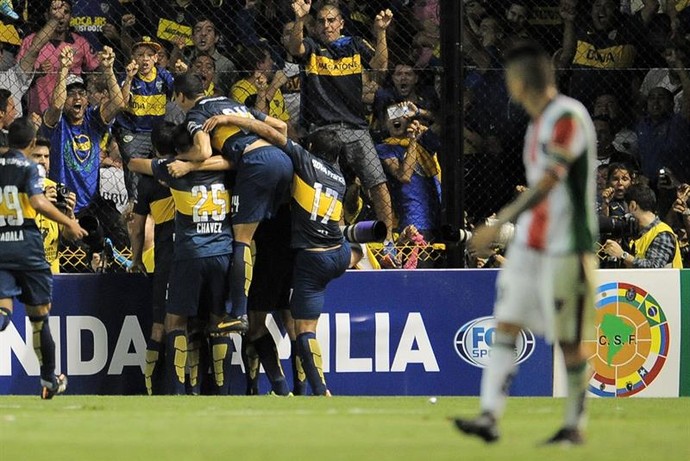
[
  {"x": 263, "y": 181},
  {"x": 312, "y": 272},
  {"x": 199, "y": 286},
  {"x": 33, "y": 288}
]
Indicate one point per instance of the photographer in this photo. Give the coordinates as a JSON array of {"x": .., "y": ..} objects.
[
  {"x": 657, "y": 246},
  {"x": 60, "y": 196}
]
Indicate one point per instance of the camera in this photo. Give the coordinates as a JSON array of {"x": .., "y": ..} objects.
[
  {"x": 455, "y": 235},
  {"x": 94, "y": 240},
  {"x": 667, "y": 180},
  {"x": 618, "y": 226},
  {"x": 461, "y": 236},
  {"x": 365, "y": 232},
  {"x": 61, "y": 197}
]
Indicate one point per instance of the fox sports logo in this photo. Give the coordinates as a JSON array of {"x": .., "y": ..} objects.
[{"x": 474, "y": 339}]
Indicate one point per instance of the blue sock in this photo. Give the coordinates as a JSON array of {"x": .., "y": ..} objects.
[
  {"x": 299, "y": 380},
  {"x": 154, "y": 351},
  {"x": 221, "y": 354},
  {"x": 268, "y": 353},
  {"x": 240, "y": 277},
  {"x": 310, "y": 355},
  {"x": 44, "y": 347},
  {"x": 250, "y": 359},
  {"x": 5, "y": 318},
  {"x": 176, "y": 358}
]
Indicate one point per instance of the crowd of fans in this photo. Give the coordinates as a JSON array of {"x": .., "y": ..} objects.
[
  {"x": 625, "y": 60},
  {"x": 239, "y": 49}
]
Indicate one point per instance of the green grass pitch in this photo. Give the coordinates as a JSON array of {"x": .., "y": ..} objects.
[{"x": 97, "y": 428}]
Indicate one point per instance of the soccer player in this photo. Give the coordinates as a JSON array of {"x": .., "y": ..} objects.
[
  {"x": 24, "y": 271},
  {"x": 156, "y": 200},
  {"x": 331, "y": 92},
  {"x": 546, "y": 284},
  {"x": 264, "y": 174},
  {"x": 321, "y": 252},
  {"x": 202, "y": 254}
]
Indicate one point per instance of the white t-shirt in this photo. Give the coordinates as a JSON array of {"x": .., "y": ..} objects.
[
  {"x": 660, "y": 77},
  {"x": 17, "y": 81},
  {"x": 112, "y": 187}
]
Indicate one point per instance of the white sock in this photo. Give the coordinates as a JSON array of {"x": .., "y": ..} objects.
[
  {"x": 498, "y": 374},
  {"x": 575, "y": 402}
]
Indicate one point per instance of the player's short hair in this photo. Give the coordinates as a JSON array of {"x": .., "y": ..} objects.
[
  {"x": 183, "y": 140},
  {"x": 20, "y": 133},
  {"x": 163, "y": 138},
  {"x": 189, "y": 85},
  {"x": 642, "y": 195},
  {"x": 325, "y": 144},
  {"x": 532, "y": 63}
]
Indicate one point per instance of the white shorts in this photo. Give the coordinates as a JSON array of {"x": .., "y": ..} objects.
[{"x": 552, "y": 295}]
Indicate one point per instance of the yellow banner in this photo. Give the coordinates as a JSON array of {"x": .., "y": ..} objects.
[
  {"x": 170, "y": 31},
  {"x": 613, "y": 57}
]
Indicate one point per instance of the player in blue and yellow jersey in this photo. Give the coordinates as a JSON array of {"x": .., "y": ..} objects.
[
  {"x": 262, "y": 184},
  {"x": 331, "y": 92},
  {"x": 321, "y": 252},
  {"x": 146, "y": 90},
  {"x": 198, "y": 282},
  {"x": 75, "y": 130},
  {"x": 156, "y": 200},
  {"x": 24, "y": 272}
]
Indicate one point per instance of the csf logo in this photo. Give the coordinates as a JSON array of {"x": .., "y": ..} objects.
[{"x": 473, "y": 342}]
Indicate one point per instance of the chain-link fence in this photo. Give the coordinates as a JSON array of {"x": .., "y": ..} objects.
[
  {"x": 623, "y": 59},
  {"x": 296, "y": 62}
]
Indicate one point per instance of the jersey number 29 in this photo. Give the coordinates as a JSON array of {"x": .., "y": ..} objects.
[{"x": 9, "y": 202}]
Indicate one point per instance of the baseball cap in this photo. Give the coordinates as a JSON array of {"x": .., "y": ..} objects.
[
  {"x": 73, "y": 80},
  {"x": 147, "y": 41}
]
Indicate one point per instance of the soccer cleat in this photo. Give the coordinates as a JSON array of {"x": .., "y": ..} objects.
[
  {"x": 566, "y": 436},
  {"x": 483, "y": 426},
  {"x": 230, "y": 324},
  {"x": 273, "y": 393},
  {"x": 7, "y": 9},
  {"x": 51, "y": 389}
]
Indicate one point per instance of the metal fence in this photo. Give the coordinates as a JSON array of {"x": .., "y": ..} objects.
[{"x": 609, "y": 54}]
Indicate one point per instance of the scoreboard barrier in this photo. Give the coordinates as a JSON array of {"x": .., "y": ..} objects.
[{"x": 422, "y": 332}]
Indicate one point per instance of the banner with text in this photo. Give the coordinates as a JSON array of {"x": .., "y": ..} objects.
[{"x": 382, "y": 333}]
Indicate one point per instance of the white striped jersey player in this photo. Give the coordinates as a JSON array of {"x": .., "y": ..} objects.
[
  {"x": 563, "y": 140},
  {"x": 546, "y": 283}
]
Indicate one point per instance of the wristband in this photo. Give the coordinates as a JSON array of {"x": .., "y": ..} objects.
[{"x": 624, "y": 256}]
